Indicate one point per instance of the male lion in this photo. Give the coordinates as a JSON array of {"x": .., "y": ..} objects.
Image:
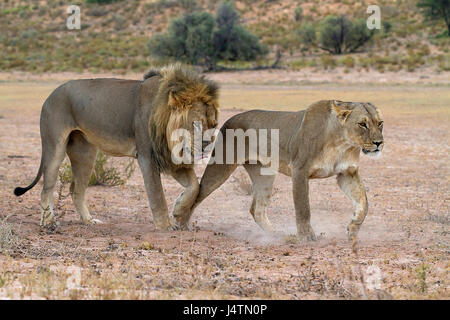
[
  {"x": 124, "y": 118},
  {"x": 322, "y": 141}
]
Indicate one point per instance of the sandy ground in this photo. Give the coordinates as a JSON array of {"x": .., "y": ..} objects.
[
  {"x": 402, "y": 252},
  {"x": 271, "y": 77}
]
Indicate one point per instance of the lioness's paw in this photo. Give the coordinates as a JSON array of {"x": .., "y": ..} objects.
[
  {"x": 91, "y": 221},
  {"x": 165, "y": 226},
  {"x": 95, "y": 221},
  {"x": 352, "y": 232},
  {"x": 48, "y": 220},
  {"x": 310, "y": 236}
]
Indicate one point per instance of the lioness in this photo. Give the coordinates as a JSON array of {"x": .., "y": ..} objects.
[
  {"x": 124, "y": 118},
  {"x": 322, "y": 141}
]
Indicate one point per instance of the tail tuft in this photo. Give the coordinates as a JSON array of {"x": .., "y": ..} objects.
[{"x": 20, "y": 191}]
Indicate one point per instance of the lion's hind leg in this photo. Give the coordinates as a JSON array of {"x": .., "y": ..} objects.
[
  {"x": 82, "y": 156},
  {"x": 53, "y": 153},
  {"x": 262, "y": 191}
]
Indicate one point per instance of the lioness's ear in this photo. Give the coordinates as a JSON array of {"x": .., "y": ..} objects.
[{"x": 341, "y": 114}]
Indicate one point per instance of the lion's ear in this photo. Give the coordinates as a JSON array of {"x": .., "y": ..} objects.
[
  {"x": 341, "y": 113},
  {"x": 175, "y": 102}
]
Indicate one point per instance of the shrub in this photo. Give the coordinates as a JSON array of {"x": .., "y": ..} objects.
[
  {"x": 197, "y": 38},
  {"x": 435, "y": 10},
  {"x": 387, "y": 26},
  {"x": 348, "y": 62},
  {"x": 298, "y": 14},
  {"x": 328, "y": 61},
  {"x": 307, "y": 34},
  {"x": 231, "y": 40},
  {"x": 188, "y": 38},
  {"x": 101, "y": 174},
  {"x": 338, "y": 34}
]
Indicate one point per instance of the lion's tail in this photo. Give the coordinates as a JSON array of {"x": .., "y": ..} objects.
[{"x": 20, "y": 191}]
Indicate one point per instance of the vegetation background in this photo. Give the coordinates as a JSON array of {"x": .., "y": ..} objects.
[
  {"x": 116, "y": 35},
  {"x": 402, "y": 68}
]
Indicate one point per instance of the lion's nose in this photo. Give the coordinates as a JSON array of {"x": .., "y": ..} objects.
[{"x": 377, "y": 143}]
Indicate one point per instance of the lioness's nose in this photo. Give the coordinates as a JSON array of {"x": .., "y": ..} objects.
[{"x": 377, "y": 143}]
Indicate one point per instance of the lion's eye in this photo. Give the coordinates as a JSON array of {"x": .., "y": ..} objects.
[{"x": 362, "y": 125}]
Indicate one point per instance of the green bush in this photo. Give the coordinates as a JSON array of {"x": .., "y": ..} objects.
[
  {"x": 307, "y": 34},
  {"x": 188, "y": 38},
  {"x": 339, "y": 35},
  {"x": 387, "y": 26},
  {"x": 197, "y": 38},
  {"x": 348, "y": 62},
  {"x": 435, "y": 10},
  {"x": 231, "y": 40}
]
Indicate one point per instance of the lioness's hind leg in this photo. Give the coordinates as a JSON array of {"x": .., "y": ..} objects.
[
  {"x": 182, "y": 209},
  {"x": 82, "y": 156},
  {"x": 262, "y": 191}
]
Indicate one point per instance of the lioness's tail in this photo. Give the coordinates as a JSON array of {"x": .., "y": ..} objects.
[{"x": 20, "y": 191}]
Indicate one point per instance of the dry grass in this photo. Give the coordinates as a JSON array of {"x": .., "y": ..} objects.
[
  {"x": 405, "y": 234},
  {"x": 9, "y": 240}
]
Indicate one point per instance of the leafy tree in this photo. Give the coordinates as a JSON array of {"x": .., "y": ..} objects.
[
  {"x": 358, "y": 36},
  {"x": 435, "y": 10},
  {"x": 338, "y": 34},
  {"x": 188, "y": 38},
  {"x": 197, "y": 38},
  {"x": 231, "y": 40},
  {"x": 307, "y": 34}
]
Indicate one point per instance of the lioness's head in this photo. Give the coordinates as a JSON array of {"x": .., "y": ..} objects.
[
  {"x": 363, "y": 125},
  {"x": 187, "y": 110}
]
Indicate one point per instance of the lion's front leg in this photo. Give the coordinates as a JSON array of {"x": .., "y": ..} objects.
[
  {"x": 353, "y": 188},
  {"x": 155, "y": 194},
  {"x": 300, "y": 189},
  {"x": 182, "y": 209}
]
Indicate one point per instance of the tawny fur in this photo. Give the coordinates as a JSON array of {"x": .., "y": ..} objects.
[
  {"x": 123, "y": 118},
  {"x": 322, "y": 141}
]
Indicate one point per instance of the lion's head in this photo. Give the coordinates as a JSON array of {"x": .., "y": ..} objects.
[
  {"x": 185, "y": 100},
  {"x": 363, "y": 125}
]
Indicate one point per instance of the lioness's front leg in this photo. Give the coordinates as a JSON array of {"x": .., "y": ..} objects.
[
  {"x": 351, "y": 184},
  {"x": 300, "y": 188},
  {"x": 182, "y": 209},
  {"x": 155, "y": 194}
]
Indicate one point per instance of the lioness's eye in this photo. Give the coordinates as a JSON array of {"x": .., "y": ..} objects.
[{"x": 362, "y": 125}]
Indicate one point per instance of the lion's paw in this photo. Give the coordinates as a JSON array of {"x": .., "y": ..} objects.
[
  {"x": 179, "y": 227},
  {"x": 48, "y": 220}
]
